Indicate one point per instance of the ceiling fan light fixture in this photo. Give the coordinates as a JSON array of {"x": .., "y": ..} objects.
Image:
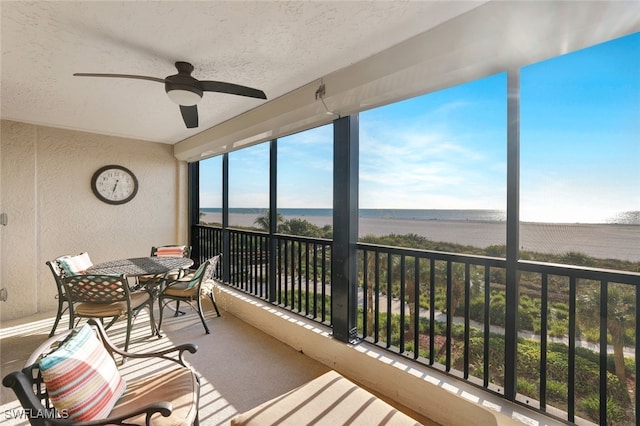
[{"x": 184, "y": 97}]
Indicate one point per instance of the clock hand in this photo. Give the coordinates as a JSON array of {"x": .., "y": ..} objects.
[{"x": 115, "y": 186}]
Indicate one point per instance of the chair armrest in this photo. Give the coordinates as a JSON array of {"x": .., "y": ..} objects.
[
  {"x": 23, "y": 388},
  {"x": 178, "y": 359},
  {"x": 163, "y": 407}
]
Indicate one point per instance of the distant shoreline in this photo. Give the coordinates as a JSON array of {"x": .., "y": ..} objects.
[{"x": 602, "y": 241}]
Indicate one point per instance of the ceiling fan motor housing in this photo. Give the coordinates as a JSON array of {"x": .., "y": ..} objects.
[{"x": 183, "y": 83}]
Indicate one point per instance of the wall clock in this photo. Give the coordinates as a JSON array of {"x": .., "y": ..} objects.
[{"x": 114, "y": 184}]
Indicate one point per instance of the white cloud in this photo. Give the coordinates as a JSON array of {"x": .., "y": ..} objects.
[{"x": 417, "y": 168}]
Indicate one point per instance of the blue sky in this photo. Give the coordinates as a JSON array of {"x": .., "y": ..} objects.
[{"x": 580, "y": 146}]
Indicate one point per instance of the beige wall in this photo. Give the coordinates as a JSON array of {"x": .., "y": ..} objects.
[{"x": 45, "y": 190}]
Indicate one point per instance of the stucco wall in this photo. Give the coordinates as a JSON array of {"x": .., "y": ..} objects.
[{"x": 45, "y": 176}]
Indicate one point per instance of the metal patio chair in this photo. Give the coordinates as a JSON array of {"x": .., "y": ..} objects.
[
  {"x": 167, "y": 396},
  {"x": 60, "y": 268},
  {"x": 107, "y": 296},
  {"x": 190, "y": 289}
]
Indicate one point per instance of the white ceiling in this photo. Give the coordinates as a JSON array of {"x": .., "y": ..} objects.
[
  {"x": 367, "y": 53},
  {"x": 275, "y": 46}
]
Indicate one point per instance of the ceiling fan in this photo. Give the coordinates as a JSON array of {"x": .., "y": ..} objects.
[{"x": 187, "y": 91}]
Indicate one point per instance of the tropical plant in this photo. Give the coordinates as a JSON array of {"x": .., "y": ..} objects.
[
  {"x": 621, "y": 310},
  {"x": 263, "y": 222}
]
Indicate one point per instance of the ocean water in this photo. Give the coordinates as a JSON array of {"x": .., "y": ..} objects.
[{"x": 623, "y": 218}]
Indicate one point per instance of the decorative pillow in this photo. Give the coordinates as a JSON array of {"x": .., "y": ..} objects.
[
  {"x": 82, "y": 378},
  {"x": 83, "y": 262},
  {"x": 176, "y": 251},
  {"x": 74, "y": 265}
]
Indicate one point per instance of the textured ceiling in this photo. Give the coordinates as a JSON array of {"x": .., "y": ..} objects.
[{"x": 275, "y": 46}]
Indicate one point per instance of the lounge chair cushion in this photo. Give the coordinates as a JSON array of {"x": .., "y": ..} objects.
[
  {"x": 82, "y": 378},
  {"x": 179, "y": 386},
  {"x": 110, "y": 309},
  {"x": 182, "y": 289}
]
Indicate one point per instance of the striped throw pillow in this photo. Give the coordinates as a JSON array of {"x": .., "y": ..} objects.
[
  {"x": 177, "y": 251},
  {"x": 82, "y": 378}
]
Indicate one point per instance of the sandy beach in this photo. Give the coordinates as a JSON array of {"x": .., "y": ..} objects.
[{"x": 601, "y": 241}]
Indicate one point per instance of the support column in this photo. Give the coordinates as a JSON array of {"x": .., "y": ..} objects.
[
  {"x": 193, "y": 196},
  {"x": 345, "y": 229},
  {"x": 273, "y": 218},
  {"x": 513, "y": 234},
  {"x": 226, "y": 247}
]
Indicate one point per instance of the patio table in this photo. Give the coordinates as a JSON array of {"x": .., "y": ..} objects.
[
  {"x": 156, "y": 267},
  {"x": 139, "y": 266}
]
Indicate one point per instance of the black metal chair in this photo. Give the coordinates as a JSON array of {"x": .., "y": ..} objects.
[
  {"x": 166, "y": 251},
  {"x": 107, "y": 296},
  {"x": 60, "y": 268},
  {"x": 190, "y": 289},
  {"x": 167, "y": 396}
]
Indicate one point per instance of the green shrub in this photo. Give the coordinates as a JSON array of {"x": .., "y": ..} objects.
[
  {"x": 527, "y": 388},
  {"x": 497, "y": 309},
  {"x": 558, "y": 329},
  {"x": 588, "y": 354},
  {"x": 615, "y": 413},
  {"x": 526, "y": 320},
  {"x": 557, "y": 391},
  {"x": 557, "y": 366},
  {"x": 528, "y": 357},
  {"x": 476, "y": 309}
]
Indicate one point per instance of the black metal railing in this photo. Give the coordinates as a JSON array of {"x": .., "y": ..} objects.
[
  {"x": 447, "y": 311},
  {"x": 249, "y": 262},
  {"x": 410, "y": 299},
  {"x": 301, "y": 277},
  {"x": 206, "y": 242},
  {"x": 606, "y": 302},
  {"x": 303, "y": 274}
]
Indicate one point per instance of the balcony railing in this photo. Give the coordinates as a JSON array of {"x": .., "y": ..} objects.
[
  {"x": 300, "y": 280},
  {"x": 447, "y": 311}
]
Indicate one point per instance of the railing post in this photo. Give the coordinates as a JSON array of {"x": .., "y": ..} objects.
[
  {"x": 345, "y": 229},
  {"x": 513, "y": 230}
]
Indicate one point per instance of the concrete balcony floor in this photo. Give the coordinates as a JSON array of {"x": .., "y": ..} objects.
[{"x": 241, "y": 366}]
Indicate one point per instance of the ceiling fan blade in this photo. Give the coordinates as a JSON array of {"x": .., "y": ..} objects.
[
  {"x": 139, "y": 77},
  {"x": 233, "y": 89},
  {"x": 190, "y": 116}
]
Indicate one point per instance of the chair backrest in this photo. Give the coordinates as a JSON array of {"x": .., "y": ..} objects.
[
  {"x": 97, "y": 288},
  {"x": 204, "y": 272},
  {"x": 68, "y": 265},
  {"x": 171, "y": 251}
]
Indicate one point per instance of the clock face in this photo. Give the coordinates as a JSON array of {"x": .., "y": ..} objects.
[{"x": 114, "y": 184}]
